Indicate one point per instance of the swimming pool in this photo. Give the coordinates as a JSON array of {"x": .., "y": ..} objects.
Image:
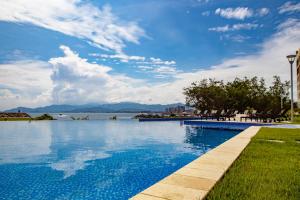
[{"x": 96, "y": 159}]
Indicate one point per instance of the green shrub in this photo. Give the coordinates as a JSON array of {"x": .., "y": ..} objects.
[{"x": 44, "y": 117}]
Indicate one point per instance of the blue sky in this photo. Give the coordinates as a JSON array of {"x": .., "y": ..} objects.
[{"x": 72, "y": 51}]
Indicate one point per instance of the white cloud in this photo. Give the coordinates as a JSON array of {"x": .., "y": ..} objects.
[
  {"x": 73, "y": 17},
  {"x": 144, "y": 68},
  {"x": 205, "y": 13},
  {"x": 160, "y": 68},
  {"x": 203, "y": 1},
  {"x": 165, "y": 70},
  {"x": 122, "y": 57},
  {"x": 75, "y": 80},
  {"x": 25, "y": 83},
  {"x": 220, "y": 28},
  {"x": 289, "y": 7},
  {"x": 246, "y": 26},
  {"x": 103, "y": 86},
  {"x": 159, "y": 71},
  {"x": 136, "y": 59},
  {"x": 263, "y": 11},
  {"x": 290, "y": 22},
  {"x": 270, "y": 60},
  {"x": 241, "y": 13},
  {"x": 234, "y": 27},
  {"x": 158, "y": 61},
  {"x": 235, "y": 13},
  {"x": 235, "y": 38}
]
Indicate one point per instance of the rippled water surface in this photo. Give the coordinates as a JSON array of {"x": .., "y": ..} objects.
[{"x": 95, "y": 159}]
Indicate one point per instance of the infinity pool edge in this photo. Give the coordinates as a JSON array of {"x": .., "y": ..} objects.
[{"x": 196, "y": 179}]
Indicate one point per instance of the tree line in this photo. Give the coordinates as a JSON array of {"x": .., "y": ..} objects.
[{"x": 239, "y": 94}]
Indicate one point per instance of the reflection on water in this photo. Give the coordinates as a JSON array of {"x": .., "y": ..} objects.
[
  {"x": 96, "y": 158},
  {"x": 24, "y": 142},
  {"x": 205, "y": 139},
  {"x": 78, "y": 160},
  {"x": 90, "y": 116}
]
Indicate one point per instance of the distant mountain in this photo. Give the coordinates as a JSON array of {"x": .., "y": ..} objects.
[
  {"x": 96, "y": 108},
  {"x": 49, "y": 109}
]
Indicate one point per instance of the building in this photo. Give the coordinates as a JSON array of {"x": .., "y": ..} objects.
[
  {"x": 180, "y": 110},
  {"x": 175, "y": 110},
  {"x": 298, "y": 75}
]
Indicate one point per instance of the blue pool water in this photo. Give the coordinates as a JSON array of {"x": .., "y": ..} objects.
[{"x": 97, "y": 159}]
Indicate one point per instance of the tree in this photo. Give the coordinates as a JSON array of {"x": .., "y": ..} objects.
[
  {"x": 240, "y": 94},
  {"x": 208, "y": 94},
  {"x": 278, "y": 95}
]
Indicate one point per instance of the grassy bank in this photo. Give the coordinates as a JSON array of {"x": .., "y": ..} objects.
[
  {"x": 265, "y": 170},
  {"x": 42, "y": 117},
  {"x": 15, "y": 119}
]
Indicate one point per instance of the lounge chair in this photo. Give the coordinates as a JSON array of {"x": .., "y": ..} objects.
[
  {"x": 231, "y": 114},
  {"x": 249, "y": 115},
  {"x": 203, "y": 115},
  {"x": 214, "y": 114},
  {"x": 246, "y": 113}
]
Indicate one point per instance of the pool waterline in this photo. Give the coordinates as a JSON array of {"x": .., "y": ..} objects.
[
  {"x": 196, "y": 179},
  {"x": 95, "y": 159}
]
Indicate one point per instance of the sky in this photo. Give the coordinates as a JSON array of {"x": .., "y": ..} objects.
[{"x": 104, "y": 51}]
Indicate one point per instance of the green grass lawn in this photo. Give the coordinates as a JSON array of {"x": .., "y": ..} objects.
[{"x": 265, "y": 170}]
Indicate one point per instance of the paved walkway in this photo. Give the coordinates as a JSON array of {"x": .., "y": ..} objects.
[{"x": 194, "y": 180}]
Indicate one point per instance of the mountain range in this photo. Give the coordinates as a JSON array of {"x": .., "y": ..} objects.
[{"x": 124, "y": 107}]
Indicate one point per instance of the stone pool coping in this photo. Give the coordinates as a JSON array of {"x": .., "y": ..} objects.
[
  {"x": 196, "y": 179},
  {"x": 228, "y": 125}
]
